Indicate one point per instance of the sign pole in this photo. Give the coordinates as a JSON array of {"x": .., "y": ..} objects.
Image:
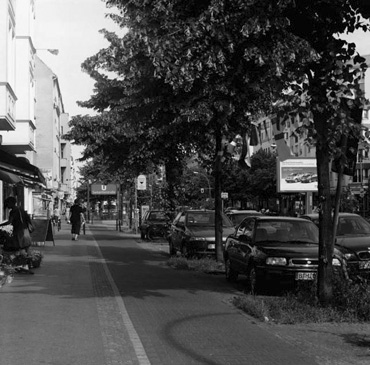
[{"x": 136, "y": 209}]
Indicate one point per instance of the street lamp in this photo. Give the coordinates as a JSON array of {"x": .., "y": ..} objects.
[{"x": 209, "y": 185}]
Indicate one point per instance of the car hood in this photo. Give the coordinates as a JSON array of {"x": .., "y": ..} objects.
[
  {"x": 355, "y": 243},
  {"x": 290, "y": 249},
  {"x": 208, "y": 232}
]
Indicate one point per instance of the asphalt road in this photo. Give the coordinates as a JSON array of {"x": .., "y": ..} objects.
[
  {"x": 110, "y": 299},
  {"x": 184, "y": 317}
]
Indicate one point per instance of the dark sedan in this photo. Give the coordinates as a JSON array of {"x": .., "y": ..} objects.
[
  {"x": 193, "y": 233},
  {"x": 273, "y": 249},
  {"x": 157, "y": 219},
  {"x": 353, "y": 240}
]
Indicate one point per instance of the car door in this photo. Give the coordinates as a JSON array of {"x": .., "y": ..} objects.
[
  {"x": 237, "y": 242},
  {"x": 245, "y": 243},
  {"x": 178, "y": 231}
]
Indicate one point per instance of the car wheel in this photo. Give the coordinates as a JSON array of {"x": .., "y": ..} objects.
[
  {"x": 254, "y": 282},
  {"x": 151, "y": 234},
  {"x": 172, "y": 249},
  {"x": 231, "y": 274},
  {"x": 184, "y": 251}
]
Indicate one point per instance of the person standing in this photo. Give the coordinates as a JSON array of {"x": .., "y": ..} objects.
[
  {"x": 75, "y": 218},
  {"x": 21, "y": 238}
]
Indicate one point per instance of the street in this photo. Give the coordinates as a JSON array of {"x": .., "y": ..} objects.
[{"x": 110, "y": 299}]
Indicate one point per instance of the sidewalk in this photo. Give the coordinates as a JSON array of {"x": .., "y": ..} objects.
[{"x": 55, "y": 316}]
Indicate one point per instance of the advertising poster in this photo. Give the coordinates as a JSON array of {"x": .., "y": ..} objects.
[{"x": 297, "y": 175}]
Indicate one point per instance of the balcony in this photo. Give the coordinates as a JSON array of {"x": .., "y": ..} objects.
[
  {"x": 7, "y": 107},
  {"x": 20, "y": 140}
]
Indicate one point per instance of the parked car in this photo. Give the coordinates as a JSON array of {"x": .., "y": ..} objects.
[
  {"x": 309, "y": 178},
  {"x": 352, "y": 239},
  {"x": 193, "y": 232},
  {"x": 236, "y": 216},
  {"x": 294, "y": 177},
  {"x": 273, "y": 249},
  {"x": 156, "y": 221}
]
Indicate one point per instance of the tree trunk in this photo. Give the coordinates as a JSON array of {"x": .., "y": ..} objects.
[
  {"x": 217, "y": 197},
  {"x": 326, "y": 243}
]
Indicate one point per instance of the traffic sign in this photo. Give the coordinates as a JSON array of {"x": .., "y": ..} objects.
[
  {"x": 224, "y": 195},
  {"x": 141, "y": 182}
]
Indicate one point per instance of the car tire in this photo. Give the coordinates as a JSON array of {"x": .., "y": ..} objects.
[
  {"x": 230, "y": 273},
  {"x": 150, "y": 234},
  {"x": 184, "y": 251},
  {"x": 172, "y": 249},
  {"x": 253, "y": 281}
]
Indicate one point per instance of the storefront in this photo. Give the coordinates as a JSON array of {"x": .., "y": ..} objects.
[{"x": 18, "y": 178}]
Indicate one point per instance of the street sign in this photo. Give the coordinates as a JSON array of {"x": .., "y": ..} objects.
[
  {"x": 102, "y": 189},
  {"x": 141, "y": 182},
  {"x": 224, "y": 195}
]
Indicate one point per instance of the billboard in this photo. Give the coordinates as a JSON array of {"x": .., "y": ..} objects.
[
  {"x": 296, "y": 175},
  {"x": 101, "y": 189}
]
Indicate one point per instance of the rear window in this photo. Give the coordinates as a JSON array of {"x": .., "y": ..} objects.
[
  {"x": 157, "y": 216},
  {"x": 205, "y": 219}
]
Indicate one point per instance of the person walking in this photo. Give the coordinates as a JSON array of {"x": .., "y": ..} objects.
[{"x": 75, "y": 218}]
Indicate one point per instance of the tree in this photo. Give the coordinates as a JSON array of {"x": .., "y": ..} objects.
[{"x": 222, "y": 62}]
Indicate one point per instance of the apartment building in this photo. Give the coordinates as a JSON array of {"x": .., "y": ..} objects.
[
  {"x": 53, "y": 157},
  {"x": 25, "y": 118}
]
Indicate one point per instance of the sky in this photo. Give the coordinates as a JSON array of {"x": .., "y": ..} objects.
[{"x": 72, "y": 27}]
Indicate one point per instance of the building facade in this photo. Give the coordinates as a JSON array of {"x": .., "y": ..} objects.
[{"x": 28, "y": 118}]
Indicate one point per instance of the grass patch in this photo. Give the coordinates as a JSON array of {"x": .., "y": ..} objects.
[
  {"x": 350, "y": 304},
  {"x": 207, "y": 265}
]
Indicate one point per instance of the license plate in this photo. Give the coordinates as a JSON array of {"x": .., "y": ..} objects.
[
  {"x": 364, "y": 265},
  {"x": 211, "y": 246},
  {"x": 305, "y": 276}
]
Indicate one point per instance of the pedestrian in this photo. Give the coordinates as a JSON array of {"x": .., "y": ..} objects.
[
  {"x": 75, "y": 218},
  {"x": 19, "y": 219}
]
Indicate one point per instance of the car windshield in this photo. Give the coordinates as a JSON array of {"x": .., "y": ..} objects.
[
  {"x": 287, "y": 231},
  {"x": 353, "y": 225},
  {"x": 206, "y": 219}
]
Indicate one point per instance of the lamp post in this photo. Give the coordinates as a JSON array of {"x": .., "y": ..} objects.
[
  {"x": 88, "y": 200},
  {"x": 209, "y": 185}
]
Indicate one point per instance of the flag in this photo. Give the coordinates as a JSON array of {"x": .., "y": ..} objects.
[
  {"x": 265, "y": 128},
  {"x": 253, "y": 135},
  {"x": 245, "y": 156},
  {"x": 283, "y": 150},
  {"x": 55, "y": 52}
]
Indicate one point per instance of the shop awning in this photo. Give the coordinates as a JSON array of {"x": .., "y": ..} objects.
[{"x": 13, "y": 168}]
